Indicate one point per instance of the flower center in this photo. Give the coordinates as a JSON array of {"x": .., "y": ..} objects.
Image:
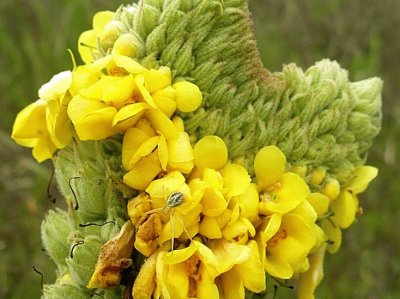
[
  {"x": 280, "y": 235},
  {"x": 192, "y": 269},
  {"x": 268, "y": 197}
]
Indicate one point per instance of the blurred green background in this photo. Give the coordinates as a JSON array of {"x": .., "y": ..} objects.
[{"x": 361, "y": 34}]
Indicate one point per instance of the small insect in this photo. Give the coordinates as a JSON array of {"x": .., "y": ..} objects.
[{"x": 174, "y": 200}]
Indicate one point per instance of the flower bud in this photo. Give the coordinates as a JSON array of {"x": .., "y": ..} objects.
[
  {"x": 110, "y": 34},
  {"x": 56, "y": 230},
  {"x": 317, "y": 176},
  {"x": 129, "y": 44},
  {"x": 82, "y": 259},
  {"x": 331, "y": 188}
]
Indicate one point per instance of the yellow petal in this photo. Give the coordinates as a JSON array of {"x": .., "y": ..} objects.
[
  {"x": 144, "y": 150},
  {"x": 232, "y": 284},
  {"x": 178, "y": 280},
  {"x": 163, "y": 153},
  {"x": 213, "y": 202},
  {"x": 208, "y": 259},
  {"x": 162, "y": 124},
  {"x": 272, "y": 225},
  {"x": 86, "y": 43},
  {"x": 30, "y": 122},
  {"x": 129, "y": 64},
  {"x": 56, "y": 87},
  {"x": 145, "y": 282},
  {"x": 133, "y": 138},
  {"x": 206, "y": 288},
  {"x": 58, "y": 125},
  {"x": 269, "y": 165},
  {"x": 248, "y": 202},
  {"x": 188, "y": 96},
  {"x": 180, "y": 255},
  {"x": 291, "y": 193},
  {"x": 181, "y": 153},
  {"x": 155, "y": 80},
  {"x": 277, "y": 267},
  {"x": 162, "y": 278},
  {"x": 43, "y": 149},
  {"x": 344, "y": 210},
  {"x": 178, "y": 122},
  {"x": 306, "y": 211},
  {"x": 146, "y": 96},
  {"x": 100, "y": 19},
  {"x": 211, "y": 152},
  {"x": 171, "y": 230},
  {"x": 236, "y": 179},
  {"x": 143, "y": 173},
  {"x": 164, "y": 99},
  {"x": 128, "y": 116},
  {"x": 96, "y": 125},
  {"x": 252, "y": 270},
  {"x": 229, "y": 254},
  {"x": 333, "y": 234},
  {"x": 145, "y": 126},
  {"x": 80, "y": 107},
  {"x": 361, "y": 177},
  {"x": 119, "y": 92},
  {"x": 83, "y": 77},
  {"x": 209, "y": 228},
  {"x": 180, "y": 149},
  {"x": 237, "y": 229},
  {"x": 320, "y": 203},
  {"x": 308, "y": 281}
]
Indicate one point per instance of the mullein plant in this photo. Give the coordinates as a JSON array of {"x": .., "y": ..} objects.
[{"x": 188, "y": 169}]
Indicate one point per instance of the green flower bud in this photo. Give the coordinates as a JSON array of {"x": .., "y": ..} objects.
[
  {"x": 110, "y": 33},
  {"x": 82, "y": 259},
  {"x": 56, "y": 230},
  {"x": 129, "y": 44}
]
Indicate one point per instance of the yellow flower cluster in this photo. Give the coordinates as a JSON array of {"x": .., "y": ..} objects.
[
  {"x": 210, "y": 231},
  {"x": 228, "y": 231},
  {"x": 207, "y": 229},
  {"x": 107, "y": 97}
]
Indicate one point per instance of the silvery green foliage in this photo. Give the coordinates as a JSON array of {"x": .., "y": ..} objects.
[{"x": 318, "y": 117}]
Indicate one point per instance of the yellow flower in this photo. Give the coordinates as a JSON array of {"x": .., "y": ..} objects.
[
  {"x": 346, "y": 206},
  {"x": 44, "y": 124},
  {"x": 170, "y": 213},
  {"x": 240, "y": 267},
  {"x": 187, "y": 273},
  {"x": 30, "y": 130},
  {"x": 284, "y": 242},
  {"x": 280, "y": 191},
  {"x": 222, "y": 270},
  {"x": 309, "y": 280},
  {"x": 174, "y": 154},
  {"x": 107, "y": 104}
]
